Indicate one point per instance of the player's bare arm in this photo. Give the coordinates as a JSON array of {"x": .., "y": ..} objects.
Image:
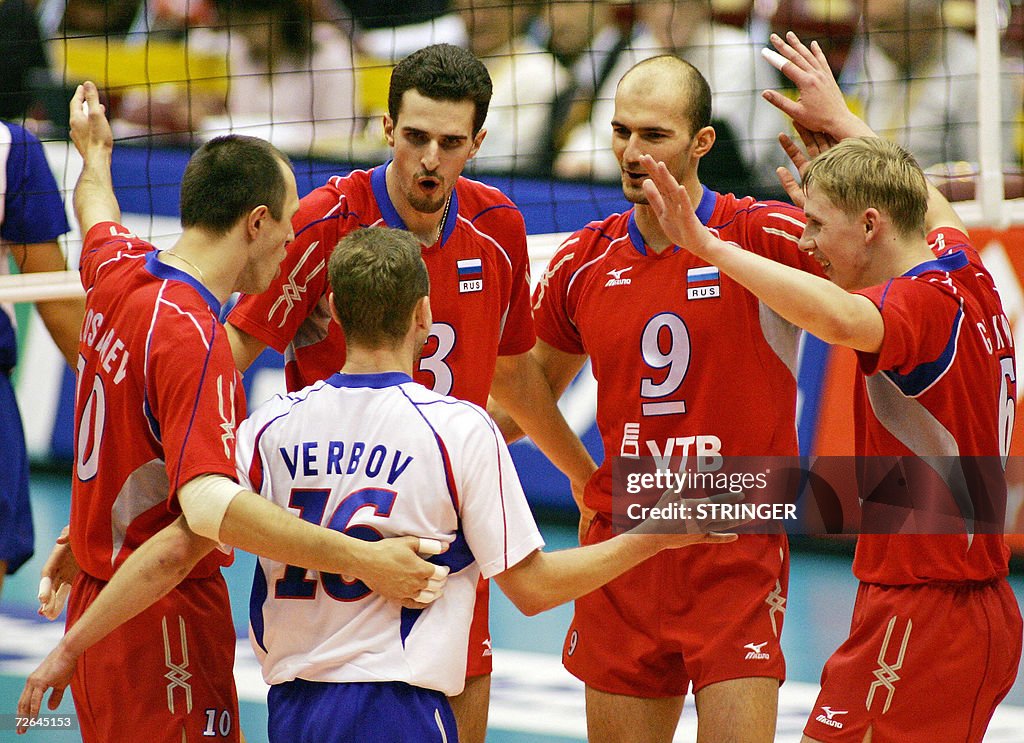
[
  {"x": 152, "y": 570},
  {"x": 522, "y": 388},
  {"x": 813, "y": 303},
  {"x": 94, "y": 197},
  {"x": 544, "y": 580},
  {"x": 245, "y": 347},
  {"x": 558, "y": 369},
  {"x": 391, "y": 567},
  {"x": 62, "y": 317}
]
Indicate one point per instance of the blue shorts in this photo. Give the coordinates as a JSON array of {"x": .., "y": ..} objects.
[
  {"x": 16, "y": 538},
  {"x": 379, "y": 712}
]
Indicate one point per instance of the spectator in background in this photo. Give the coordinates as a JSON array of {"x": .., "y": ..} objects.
[
  {"x": 392, "y": 29},
  {"x": 527, "y": 80},
  {"x": 745, "y": 151},
  {"x": 32, "y": 217},
  {"x": 290, "y": 77},
  {"x": 587, "y": 38},
  {"x": 291, "y": 80},
  {"x": 21, "y": 48},
  {"x": 916, "y": 80}
]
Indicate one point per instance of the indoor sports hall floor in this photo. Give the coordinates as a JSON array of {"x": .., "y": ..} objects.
[{"x": 533, "y": 701}]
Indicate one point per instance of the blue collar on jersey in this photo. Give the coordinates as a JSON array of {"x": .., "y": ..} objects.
[
  {"x": 378, "y": 179},
  {"x": 952, "y": 261},
  {"x": 704, "y": 210},
  {"x": 376, "y": 381},
  {"x": 164, "y": 271}
]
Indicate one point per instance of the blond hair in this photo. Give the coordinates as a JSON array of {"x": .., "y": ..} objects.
[{"x": 864, "y": 172}]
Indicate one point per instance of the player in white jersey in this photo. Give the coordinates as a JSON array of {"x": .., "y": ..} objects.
[{"x": 371, "y": 453}]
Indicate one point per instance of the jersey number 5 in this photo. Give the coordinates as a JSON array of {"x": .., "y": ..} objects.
[{"x": 311, "y": 504}]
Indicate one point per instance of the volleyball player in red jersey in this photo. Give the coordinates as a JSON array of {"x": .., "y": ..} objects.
[
  {"x": 935, "y": 641},
  {"x": 688, "y": 364},
  {"x": 156, "y": 409},
  {"x": 474, "y": 246}
]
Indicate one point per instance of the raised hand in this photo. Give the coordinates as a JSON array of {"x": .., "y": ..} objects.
[
  {"x": 820, "y": 106},
  {"x": 815, "y": 143},
  {"x": 673, "y": 208},
  {"x": 90, "y": 130}
]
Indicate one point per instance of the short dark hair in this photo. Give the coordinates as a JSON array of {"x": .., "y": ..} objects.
[
  {"x": 227, "y": 178},
  {"x": 377, "y": 275},
  {"x": 445, "y": 73},
  {"x": 685, "y": 75}
]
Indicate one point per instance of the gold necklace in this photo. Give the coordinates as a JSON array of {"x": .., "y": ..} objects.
[
  {"x": 183, "y": 259},
  {"x": 444, "y": 218}
]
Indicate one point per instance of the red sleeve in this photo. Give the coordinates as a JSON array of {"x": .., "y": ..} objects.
[
  {"x": 919, "y": 316},
  {"x": 506, "y": 225},
  {"x": 946, "y": 239},
  {"x": 102, "y": 241},
  {"x": 275, "y": 315},
  {"x": 774, "y": 229},
  {"x": 195, "y": 395},
  {"x": 551, "y": 297}
]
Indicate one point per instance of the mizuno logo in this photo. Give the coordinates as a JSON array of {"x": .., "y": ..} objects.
[
  {"x": 756, "y": 651},
  {"x": 828, "y": 717},
  {"x": 616, "y": 276}
]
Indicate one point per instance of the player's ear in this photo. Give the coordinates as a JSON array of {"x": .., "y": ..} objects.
[
  {"x": 389, "y": 130},
  {"x": 871, "y": 221},
  {"x": 422, "y": 315},
  {"x": 255, "y": 220},
  {"x": 477, "y": 141},
  {"x": 703, "y": 141},
  {"x": 334, "y": 310}
]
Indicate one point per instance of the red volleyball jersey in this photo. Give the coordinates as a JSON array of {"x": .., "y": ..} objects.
[
  {"x": 479, "y": 286},
  {"x": 943, "y": 385},
  {"x": 688, "y": 362},
  {"x": 157, "y": 403}
]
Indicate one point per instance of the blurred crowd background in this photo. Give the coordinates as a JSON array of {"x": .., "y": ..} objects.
[{"x": 312, "y": 75}]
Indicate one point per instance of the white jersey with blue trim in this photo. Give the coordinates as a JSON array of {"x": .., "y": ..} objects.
[{"x": 378, "y": 455}]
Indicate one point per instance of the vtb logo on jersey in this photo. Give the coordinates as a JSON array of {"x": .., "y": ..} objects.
[
  {"x": 703, "y": 283},
  {"x": 471, "y": 275}
]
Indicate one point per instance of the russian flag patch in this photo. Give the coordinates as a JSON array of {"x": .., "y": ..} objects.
[
  {"x": 471, "y": 275},
  {"x": 703, "y": 283}
]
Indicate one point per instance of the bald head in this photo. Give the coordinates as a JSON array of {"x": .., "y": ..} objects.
[{"x": 668, "y": 76}]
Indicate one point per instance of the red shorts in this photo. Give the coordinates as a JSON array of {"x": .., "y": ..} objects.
[
  {"x": 922, "y": 664},
  {"x": 692, "y": 616},
  {"x": 164, "y": 675},
  {"x": 478, "y": 662}
]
